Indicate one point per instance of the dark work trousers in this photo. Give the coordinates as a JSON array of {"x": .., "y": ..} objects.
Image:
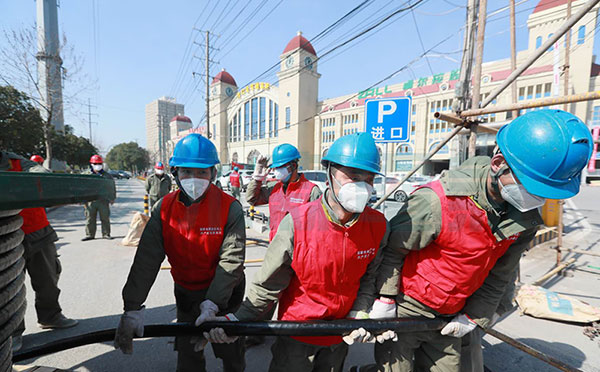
[
  {"x": 188, "y": 309},
  {"x": 93, "y": 208},
  {"x": 44, "y": 270}
]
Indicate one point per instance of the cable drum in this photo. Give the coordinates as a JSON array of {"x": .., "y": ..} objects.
[{"x": 12, "y": 279}]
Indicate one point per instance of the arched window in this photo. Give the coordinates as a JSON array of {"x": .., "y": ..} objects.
[
  {"x": 581, "y": 35},
  {"x": 234, "y": 157},
  {"x": 443, "y": 150},
  {"x": 404, "y": 150},
  {"x": 253, "y": 156},
  {"x": 538, "y": 42}
]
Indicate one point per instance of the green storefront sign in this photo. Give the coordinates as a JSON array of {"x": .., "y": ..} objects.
[{"x": 374, "y": 92}]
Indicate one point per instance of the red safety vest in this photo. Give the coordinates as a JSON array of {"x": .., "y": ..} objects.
[
  {"x": 280, "y": 203},
  {"x": 34, "y": 219},
  {"x": 192, "y": 236},
  {"x": 452, "y": 267},
  {"x": 329, "y": 261},
  {"x": 234, "y": 179}
]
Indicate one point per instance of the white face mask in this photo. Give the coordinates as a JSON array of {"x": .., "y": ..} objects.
[
  {"x": 282, "y": 174},
  {"x": 159, "y": 172},
  {"x": 97, "y": 167},
  {"x": 354, "y": 196},
  {"x": 518, "y": 197},
  {"x": 194, "y": 187}
]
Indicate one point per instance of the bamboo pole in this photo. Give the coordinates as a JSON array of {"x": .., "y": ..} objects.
[
  {"x": 554, "y": 271},
  {"x": 476, "y": 98},
  {"x": 541, "y": 50},
  {"x": 513, "y": 55},
  {"x": 589, "y": 96}
]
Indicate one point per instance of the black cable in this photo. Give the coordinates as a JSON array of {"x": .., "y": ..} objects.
[{"x": 270, "y": 328}]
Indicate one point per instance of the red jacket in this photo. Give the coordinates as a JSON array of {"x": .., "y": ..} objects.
[
  {"x": 329, "y": 262},
  {"x": 281, "y": 203},
  {"x": 34, "y": 219},
  {"x": 450, "y": 269},
  {"x": 234, "y": 179},
  {"x": 192, "y": 236}
]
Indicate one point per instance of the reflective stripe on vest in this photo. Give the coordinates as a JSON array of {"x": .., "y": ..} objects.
[
  {"x": 234, "y": 179},
  {"x": 452, "y": 267},
  {"x": 34, "y": 219},
  {"x": 328, "y": 262},
  {"x": 192, "y": 236},
  {"x": 281, "y": 203}
]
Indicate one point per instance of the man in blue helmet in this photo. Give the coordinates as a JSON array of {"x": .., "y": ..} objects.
[
  {"x": 322, "y": 262},
  {"x": 455, "y": 245},
  {"x": 201, "y": 231},
  {"x": 291, "y": 190}
]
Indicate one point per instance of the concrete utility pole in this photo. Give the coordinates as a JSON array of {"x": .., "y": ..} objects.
[
  {"x": 49, "y": 64},
  {"x": 513, "y": 55},
  {"x": 477, "y": 73},
  {"x": 463, "y": 87},
  {"x": 207, "y": 69},
  {"x": 90, "y": 117}
]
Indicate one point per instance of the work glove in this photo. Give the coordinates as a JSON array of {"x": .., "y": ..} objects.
[
  {"x": 216, "y": 335},
  {"x": 362, "y": 335},
  {"x": 208, "y": 310},
  {"x": 383, "y": 308},
  {"x": 130, "y": 325},
  {"x": 261, "y": 168},
  {"x": 459, "y": 326}
]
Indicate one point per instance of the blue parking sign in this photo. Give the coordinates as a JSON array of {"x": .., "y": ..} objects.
[{"x": 388, "y": 119}]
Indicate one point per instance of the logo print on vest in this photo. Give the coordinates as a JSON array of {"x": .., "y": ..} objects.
[
  {"x": 297, "y": 200},
  {"x": 364, "y": 254},
  {"x": 211, "y": 230}
]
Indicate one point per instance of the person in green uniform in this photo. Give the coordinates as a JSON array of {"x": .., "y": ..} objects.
[
  {"x": 98, "y": 206},
  {"x": 455, "y": 245},
  {"x": 201, "y": 230},
  {"x": 41, "y": 258},
  {"x": 158, "y": 184}
]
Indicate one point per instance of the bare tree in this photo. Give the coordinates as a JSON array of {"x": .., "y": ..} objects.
[{"x": 19, "y": 68}]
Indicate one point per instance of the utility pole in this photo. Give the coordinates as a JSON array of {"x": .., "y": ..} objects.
[
  {"x": 207, "y": 63},
  {"x": 207, "y": 77},
  {"x": 462, "y": 90},
  {"x": 476, "y": 99},
  {"x": 90, "y": 122},
  {"x": 513, "y": 55},
  {"x": 561, "y": 202}
]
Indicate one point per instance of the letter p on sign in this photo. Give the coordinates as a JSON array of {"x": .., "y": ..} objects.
[{"x": 385, "y": 108}]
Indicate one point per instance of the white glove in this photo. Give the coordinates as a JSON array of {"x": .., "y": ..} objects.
[
  {"x": 131, "y": 323},
  {"x": 358, "y": 335},
  {"x": 459, "y": 326},
  {"x": 261, "y": 169},
  {"x": 383, "y": 308},
  {"x": 208, "y": 310},
  {"x": 218, "y": 335}
]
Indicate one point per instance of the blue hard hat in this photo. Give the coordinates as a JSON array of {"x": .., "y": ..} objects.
[
  {"x": 357, "y": 150},
  {"x": 283, "y": 154},
  {"x": 547, "y": 149},
  {"x": 194, "y": 151},
  {"x": 236, "y": 169}
]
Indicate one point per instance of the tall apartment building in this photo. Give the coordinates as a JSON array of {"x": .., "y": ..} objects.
[{"x": 158, "y": 116}]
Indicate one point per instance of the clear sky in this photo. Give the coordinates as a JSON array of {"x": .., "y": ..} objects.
[{"x": 135, "y": 51}]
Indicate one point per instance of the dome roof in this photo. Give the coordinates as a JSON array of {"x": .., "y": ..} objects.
[
  {"x": 181, "y": 118},
  {"x": 548, "y": 4},
  {"x": 225, "y": 77},
  {"x": 299, "y": 41}
]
